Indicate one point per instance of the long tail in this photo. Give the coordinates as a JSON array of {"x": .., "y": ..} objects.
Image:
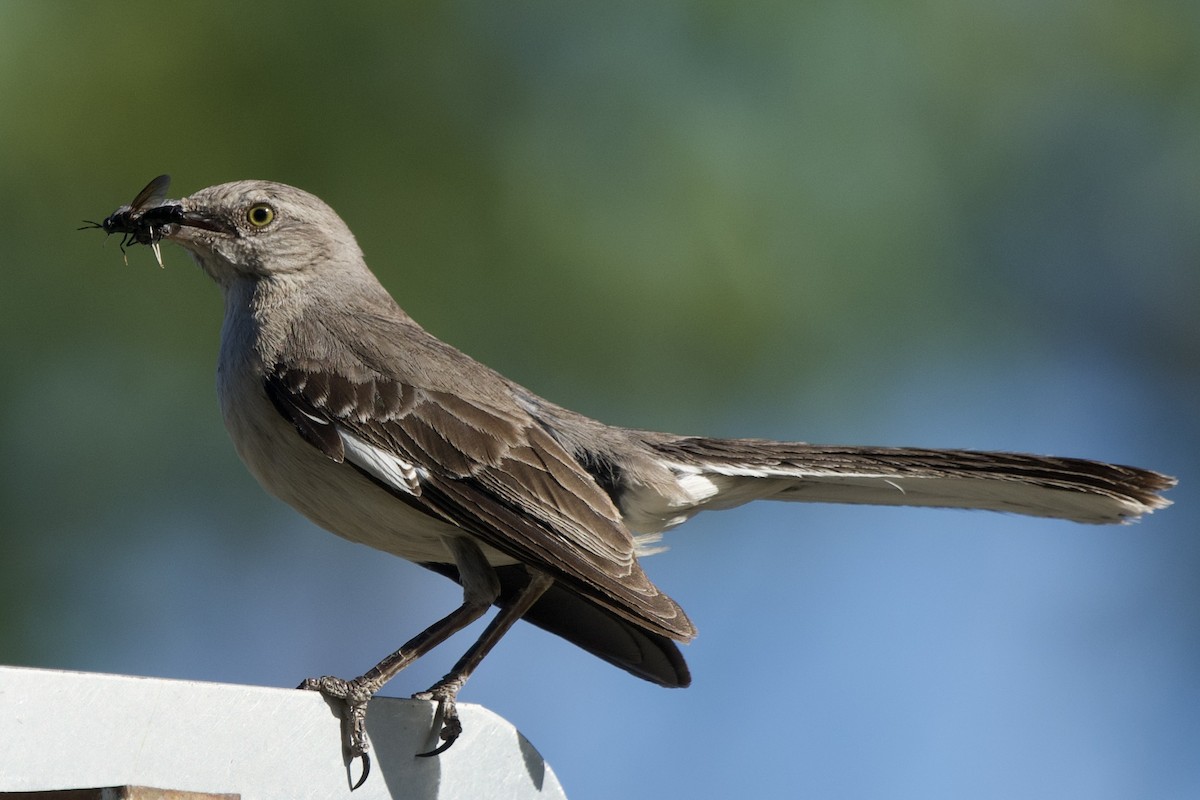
[{"x": 721, "y": 473}]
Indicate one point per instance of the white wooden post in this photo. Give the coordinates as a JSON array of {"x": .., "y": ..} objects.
[{"x": 76, "y": 731}]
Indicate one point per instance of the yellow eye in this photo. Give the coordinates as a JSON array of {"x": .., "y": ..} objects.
[{"x": 260, "y": 215}]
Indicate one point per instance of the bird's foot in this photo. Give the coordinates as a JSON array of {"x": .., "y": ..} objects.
[
  {"x": 355, "y": 694},
  {"x": 445, "y": 693}
]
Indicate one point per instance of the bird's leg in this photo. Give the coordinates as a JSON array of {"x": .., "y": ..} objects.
[
  {"x": 481, "y": 587},
  {"x": 446, "y": 690}
]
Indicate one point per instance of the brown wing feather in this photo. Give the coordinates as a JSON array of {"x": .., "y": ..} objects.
[{"x": 493, "y": 471}]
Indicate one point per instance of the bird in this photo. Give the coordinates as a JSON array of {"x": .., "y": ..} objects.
[{"x": 344, "y": 407}]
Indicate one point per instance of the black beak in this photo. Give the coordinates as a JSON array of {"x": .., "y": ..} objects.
[{"x": 204, "y": 221}]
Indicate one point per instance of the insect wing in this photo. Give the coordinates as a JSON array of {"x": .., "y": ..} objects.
[{"x": 153, "y": 194}]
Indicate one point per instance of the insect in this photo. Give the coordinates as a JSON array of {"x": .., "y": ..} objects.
[{"x": 142, "y": 221}]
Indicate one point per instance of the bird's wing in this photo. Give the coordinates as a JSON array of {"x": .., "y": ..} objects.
[{"x": 487, "y": 467}]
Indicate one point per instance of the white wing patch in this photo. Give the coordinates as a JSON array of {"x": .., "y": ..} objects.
[
  {"x": 382, "y": 464},
  {"x": 697, "y": 487}
]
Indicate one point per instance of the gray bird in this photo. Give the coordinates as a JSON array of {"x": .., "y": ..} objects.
[{"x": 345, "y": 408}]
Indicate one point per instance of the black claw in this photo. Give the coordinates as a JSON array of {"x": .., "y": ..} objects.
[
  {"x": 448, "y": 724},
  {"x": 366, "y": 759},
  {"x": 441, "y": 748}
]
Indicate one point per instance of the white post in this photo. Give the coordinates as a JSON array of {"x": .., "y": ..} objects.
[{"x": 73, "y": 730}]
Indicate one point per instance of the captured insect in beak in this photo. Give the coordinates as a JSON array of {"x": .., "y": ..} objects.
[{"x": 142, "y": 221}]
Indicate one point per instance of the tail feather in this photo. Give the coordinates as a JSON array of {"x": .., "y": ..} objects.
[{"x": 722, "y": 473}]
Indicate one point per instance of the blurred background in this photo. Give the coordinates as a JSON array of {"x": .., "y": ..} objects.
[{"x": 914, "y": 223}]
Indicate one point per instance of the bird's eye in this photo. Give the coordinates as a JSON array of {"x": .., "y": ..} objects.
[{"x": 260, "y": 215}]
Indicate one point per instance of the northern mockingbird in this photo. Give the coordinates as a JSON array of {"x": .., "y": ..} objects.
[{"x": 344, "y": 407}]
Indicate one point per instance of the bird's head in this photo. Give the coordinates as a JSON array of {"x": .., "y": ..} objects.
[{"x": 254, "y": 230}]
